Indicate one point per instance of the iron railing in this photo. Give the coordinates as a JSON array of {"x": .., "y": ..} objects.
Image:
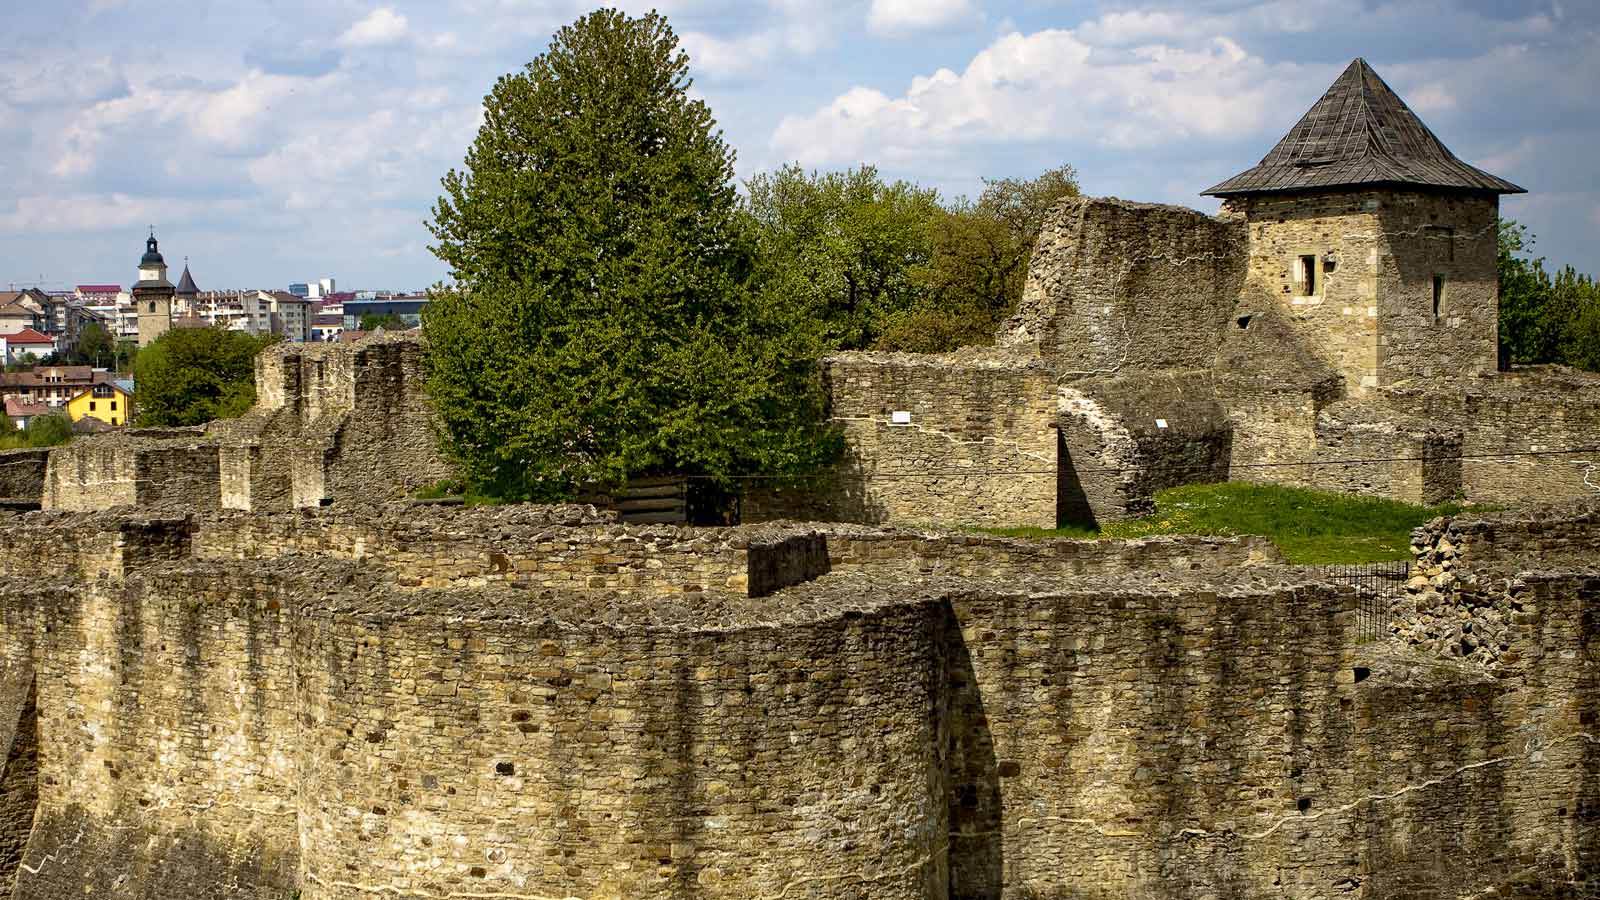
[{"x": 1378, "y": 586}]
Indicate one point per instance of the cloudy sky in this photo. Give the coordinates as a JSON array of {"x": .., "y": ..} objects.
[{"x": 280, "y": 140}]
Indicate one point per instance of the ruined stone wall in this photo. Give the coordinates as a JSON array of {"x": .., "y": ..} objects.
[
  {"x": 548, "y": 547},
  {"x": 342, "y": 424},
  {"x": 880, "y": 552},
  {"x": 1117, "y": 286},
  {"x": 22, "y": 474},
  {"x": 977, "y": 445},
  {"x": 1453, "y": 237},
  {"x": 487, "y": 746},
  {"x": 1373, "y": 450},
  {"x": 1209, "y": 728},
  {"x": 159, "y": 470},
  {"x": 1527, "y": 435},
  {"x": 1207, "y": 740},
  {"x": 1124, "y": 438},
  {"x": 1500, "y": 544},
  {"x": 1337, "y": 316},
  {"x": 169, "y": 730}
]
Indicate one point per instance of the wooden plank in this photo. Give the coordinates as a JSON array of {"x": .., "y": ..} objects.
[
  {"x": 655, "y": 518},
  {"x": 632, "y": 505},
  {"x": 662, "y": 490}
]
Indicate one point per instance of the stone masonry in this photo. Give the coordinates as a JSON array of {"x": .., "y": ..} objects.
[
  {"x": 432, "y": 702},
  {"x": 1335, "y": 326},
  {"x": 333, "y": 424}
]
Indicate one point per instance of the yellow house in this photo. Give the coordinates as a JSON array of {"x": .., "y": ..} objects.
[{"x": 106, "y": 402}]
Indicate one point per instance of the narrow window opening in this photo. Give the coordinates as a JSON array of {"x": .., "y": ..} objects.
[
  {"x": 152, "y": 306},
  {"x": 1438, "y": 296},
  {"x": 1308, "y": 276},
  {"x": 1244, "y": 321}
]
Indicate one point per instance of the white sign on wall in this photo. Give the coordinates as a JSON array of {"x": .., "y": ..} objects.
[
  {"x": 900, "y": 417},
  {"x": 1161, "y": 423}
]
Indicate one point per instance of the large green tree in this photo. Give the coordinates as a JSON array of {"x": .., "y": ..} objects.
[
  {"x": 1545, "y": 318},
  {"x": 845, "y": 246},
  {"x": 190, "y": 376},
  {"x": 601, "y": 322},
  {"x": 974, "y": 276}
]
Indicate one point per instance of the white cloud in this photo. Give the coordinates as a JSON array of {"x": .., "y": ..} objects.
[
  {"x": 903, "y": 16},
  {"x": 381, "y": 26},
  {"x": 1047, "y": 86},
  {"x": 90, "y": 212}
]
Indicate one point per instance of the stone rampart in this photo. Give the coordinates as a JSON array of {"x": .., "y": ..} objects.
[
  {"x": 1116, "y": 286},
  {"x": 1373, "y": 450},
  {"x": 1124, "y": 438},
  {"x": 1527, "y": 436},
  {"x": 967, "y": 438},
  {"x": 554, "y": 548},
  {"x": 22, "y": 475},
  {"x": 904, "y": 552},
  {"x": 933, "y": 719},
  {"x": 158, "y": 470},
  {"x": 341, "y": 424}
]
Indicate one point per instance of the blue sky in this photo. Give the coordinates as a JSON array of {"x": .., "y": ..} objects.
[{"x": 279, "y": 140}]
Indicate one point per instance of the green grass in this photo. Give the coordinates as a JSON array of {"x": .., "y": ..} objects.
[{"x": 1310, "y": 527}]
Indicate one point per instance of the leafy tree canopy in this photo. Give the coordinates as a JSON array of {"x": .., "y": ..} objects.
[
  {"x": 885, "y": 266},
  {"x": 601, "y": 323},
  {"x": 387, "y": 321},
  {"x": 190, "y": 376},
  {"x": 95, "y": 346},
  {"x": 1545, "y": 318},
  {"x": 975, "y": 275},
  {"x": 844, "y": 246}
]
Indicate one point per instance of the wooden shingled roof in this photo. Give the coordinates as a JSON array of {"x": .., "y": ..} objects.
[{"x": 1360, "y": 134}]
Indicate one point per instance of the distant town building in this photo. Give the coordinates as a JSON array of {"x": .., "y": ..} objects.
[
  {"x": 300, "y": 289},
  {"x": 407, "y": 308},
  {"x": 287, "y": 315},
  {"x": 26, "y": 344},
  {"x": 106, "y": 401},
  {"x": 21, "y": 412},
  {"x": 24, "y": 309},
  {"x": 50, "y": 385}
]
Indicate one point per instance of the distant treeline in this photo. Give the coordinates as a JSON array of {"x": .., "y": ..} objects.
[{"x": 1545, "y": 318}]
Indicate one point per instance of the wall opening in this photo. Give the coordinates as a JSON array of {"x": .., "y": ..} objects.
[
  {"x": 1438, "y": 296},
  {"x": 1072, "y": 503},
  {"x": 1306, "y": 272}
]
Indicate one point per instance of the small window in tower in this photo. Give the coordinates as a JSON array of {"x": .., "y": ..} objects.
[
  {"x": 1438, "y": 296},
  {"x": 1308, "y": 275},
  {"x": 152, "y": 306}
]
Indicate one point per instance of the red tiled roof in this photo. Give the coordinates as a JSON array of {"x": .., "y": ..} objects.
[
  {"x": 28, "y": 336},
  {"x": 16, "y": 408},
  {"x": 99, "y": 288}
]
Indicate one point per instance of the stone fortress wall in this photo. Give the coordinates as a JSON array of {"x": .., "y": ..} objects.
[
  {"x": 381, "y": 704},
  {"x": 1180, "y": 348},
  {"x": 333, "y": 423}
]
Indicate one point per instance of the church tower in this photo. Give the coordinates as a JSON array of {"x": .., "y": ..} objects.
[
  {"x": 1376, "y": 241},
  {"x": 152, "y": 295}
]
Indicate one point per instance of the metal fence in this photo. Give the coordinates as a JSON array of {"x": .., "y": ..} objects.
[{"x": 1377, "y": 586}]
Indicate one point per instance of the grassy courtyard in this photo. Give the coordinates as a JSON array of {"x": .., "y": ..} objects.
[{"x": 1311, "y": 527}]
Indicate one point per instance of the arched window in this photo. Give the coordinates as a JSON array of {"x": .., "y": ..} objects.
[{"x": 152, "y": 306}]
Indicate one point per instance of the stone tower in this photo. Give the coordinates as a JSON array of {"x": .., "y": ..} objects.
[
  {"x": 153, "y": 294},
  {"x": 1375, "y": 240}
]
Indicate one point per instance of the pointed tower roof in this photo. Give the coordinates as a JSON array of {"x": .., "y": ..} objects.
[
  {"x": 1360, "y": 134},
  {"x": 186, "y": 286}
]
